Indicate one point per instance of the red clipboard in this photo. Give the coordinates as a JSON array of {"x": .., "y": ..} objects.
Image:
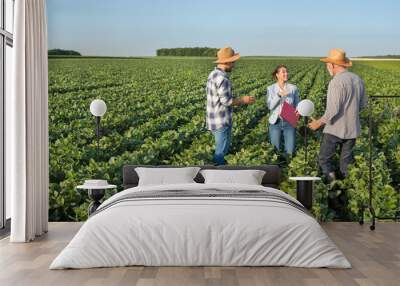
[{"x": 288, "y": 113}]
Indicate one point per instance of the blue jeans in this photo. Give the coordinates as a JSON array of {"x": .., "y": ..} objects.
[
  {"x": 289, "y": 135},
  {"x": 222, "y": 142}
]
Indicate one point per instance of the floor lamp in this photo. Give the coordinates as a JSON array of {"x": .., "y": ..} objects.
[
  {"x": 305, "y": 109},
  {"x": 304, "y": 184},
  {"x": 96, "y": 188}
]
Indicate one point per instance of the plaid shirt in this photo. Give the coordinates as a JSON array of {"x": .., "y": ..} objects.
[{"x": 219, "y": 100}]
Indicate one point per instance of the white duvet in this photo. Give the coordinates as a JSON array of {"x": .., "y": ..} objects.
[{"x": 200, "y": 231}]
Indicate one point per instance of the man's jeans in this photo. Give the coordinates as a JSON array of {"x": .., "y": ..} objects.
[
  {"x": 289, "y": 135},
  {"x": 328, "y": 150},
  {"x": 222, "y": 142}
]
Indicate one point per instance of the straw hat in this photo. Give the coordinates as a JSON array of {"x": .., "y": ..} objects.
[
  {"x": 338, "y": 57},
  {"x": 226, "y": 55}
]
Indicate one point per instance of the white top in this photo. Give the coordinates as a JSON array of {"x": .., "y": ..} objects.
[
  {"x": 97, "y": 187},
  {"x": 305, "y": 178},
  {"x": 275, "y": 102}
]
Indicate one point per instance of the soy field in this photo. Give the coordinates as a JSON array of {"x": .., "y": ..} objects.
[{"x": 156, "y": 115}]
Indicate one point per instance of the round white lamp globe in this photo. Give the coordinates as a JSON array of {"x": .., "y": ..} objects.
[
  {"x": 98, "y": 107},
  {"x": 305, "y": 107}
]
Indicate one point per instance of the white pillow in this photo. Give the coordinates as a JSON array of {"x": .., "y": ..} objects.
[
  {"x": 166, "y": 176},
  {"x": 248, "y": 177}
]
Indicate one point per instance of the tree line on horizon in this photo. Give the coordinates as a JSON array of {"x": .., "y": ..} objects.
[
  {"x": 61, "y": 52},
  {"x": 190, "y": 52}
]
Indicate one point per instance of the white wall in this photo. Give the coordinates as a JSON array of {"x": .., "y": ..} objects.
[{"x": 9, "y": 65}]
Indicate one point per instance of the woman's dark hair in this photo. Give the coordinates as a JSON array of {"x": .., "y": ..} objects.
[{"x": 276, "y": 70}]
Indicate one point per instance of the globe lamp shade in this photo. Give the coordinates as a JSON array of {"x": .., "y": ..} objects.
[
  {"x": 98, "y": 107},
  {"x": 305, "y": 107}
]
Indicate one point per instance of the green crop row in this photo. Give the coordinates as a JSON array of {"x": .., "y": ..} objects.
[{"x": 156, "y": 115}]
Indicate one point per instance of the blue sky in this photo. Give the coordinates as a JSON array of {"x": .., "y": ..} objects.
[{"x": 252, "y": 27}]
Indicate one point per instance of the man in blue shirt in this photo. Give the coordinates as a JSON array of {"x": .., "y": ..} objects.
[{"x": 220, "y": 101}]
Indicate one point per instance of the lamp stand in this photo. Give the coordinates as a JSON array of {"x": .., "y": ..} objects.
[
  {"x": 305, "y": 142},
  {"x": 98, "y": 118}
]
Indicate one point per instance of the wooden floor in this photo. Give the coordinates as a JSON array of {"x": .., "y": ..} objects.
[{"x": 375, "y": 257}]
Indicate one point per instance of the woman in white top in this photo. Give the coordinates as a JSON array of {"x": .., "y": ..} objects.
[{"x": 278, "y": 93}]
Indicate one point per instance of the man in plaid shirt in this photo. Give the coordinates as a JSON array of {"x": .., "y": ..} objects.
[{"x": 220, "y": 101}]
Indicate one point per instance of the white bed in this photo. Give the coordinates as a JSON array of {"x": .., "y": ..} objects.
[{"x": 207, "y": 230}]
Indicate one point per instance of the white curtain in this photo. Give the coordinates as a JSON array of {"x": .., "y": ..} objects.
[{"x": 27, "y": 124}]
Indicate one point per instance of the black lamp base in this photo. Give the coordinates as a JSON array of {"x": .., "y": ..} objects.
[
  {"x": 305, "y": 193},
  {"x": 95, "y": 196}
]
